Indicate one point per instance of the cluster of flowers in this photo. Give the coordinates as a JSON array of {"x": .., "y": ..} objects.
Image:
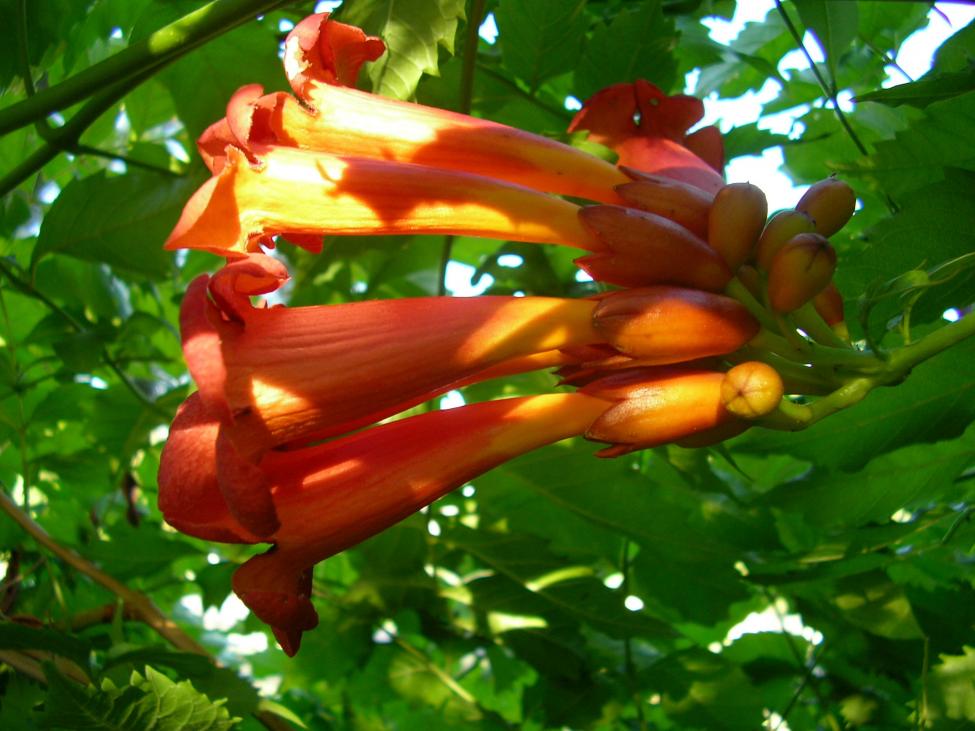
[{"x": 270, "y": 448}]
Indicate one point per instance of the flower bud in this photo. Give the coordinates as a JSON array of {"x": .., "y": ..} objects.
[
  {"x": 671, "y": 324},
  {"x": 779, "y": 229},
  {"x": 736, "y": 219},
  {"x": 649, "y": 249},
  {"x": 682, "y": 203},
  {"x": 800, "y": 271},
  {"x": 655, "y": 406},
  {"x": 751, "y": 389},
  {"x": 830, "y": 203}
]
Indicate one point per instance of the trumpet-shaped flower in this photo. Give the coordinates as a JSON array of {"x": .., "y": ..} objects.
[
  {"x": 330, "y": 497},
  {"x": 321, "y": 60},
  {"x": 327, "y": 498},
  {"x": 290, "y": 374},
  {"x": 648, "y": 129},
  {"x": 305, "y": 195}
]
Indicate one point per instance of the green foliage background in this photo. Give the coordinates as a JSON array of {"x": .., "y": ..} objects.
[{"x": 513, "y": 615}]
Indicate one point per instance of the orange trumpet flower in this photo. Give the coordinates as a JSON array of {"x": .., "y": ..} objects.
[
  {"x": 305, "y": 195},
  {"x": 658, "y": 142},
  {"x": 322, "y": 59},
  {"x": 285, "y": 375},
  {"x": 327, "y": 498}
]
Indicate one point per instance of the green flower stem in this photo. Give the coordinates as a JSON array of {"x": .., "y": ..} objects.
[
  {"x": 819, "y": 355},
  {"x": 740, "y": 292},
  {"x": 788, "y": 329},
  {"x": 791, "y": 416},
  {"x": 902, "y": 360},
  {"x": 811, "y": 322},
  {"x": 165, "y": 45}
]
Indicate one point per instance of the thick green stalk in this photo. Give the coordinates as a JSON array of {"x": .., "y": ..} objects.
[
  {"x": 791, "y": 416},
  {"x": 901, "y": 361},
  {"x": 163, "y": 46}
]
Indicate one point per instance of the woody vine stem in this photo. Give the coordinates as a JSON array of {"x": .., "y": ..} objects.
[{"x": 105, "y": 83}]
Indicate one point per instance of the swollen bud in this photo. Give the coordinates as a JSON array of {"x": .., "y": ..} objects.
[
  {"x": 644, "y": 248},
  {"x": 829, "y": 305},
  {"x": 670, "y": 324},
  {"x": 737, "y": 218},
  {"x": 801, "y": 270},
  {"x": 655, "y": 406},
  {"x": 830, "y": 204},
  {"x": 682, "y": 203},
  {"x": 751, "y": 389},
  {"x": 780, "y": 228}
]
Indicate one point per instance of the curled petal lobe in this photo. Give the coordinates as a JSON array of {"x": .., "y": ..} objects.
[
  {"x": 202, "y": 347},
  {"x": 189, "y": 496},
  {"x": 279, "y": 592},
  {"x": 648, "y": 130},
  {"x": 321, "y": 49}
]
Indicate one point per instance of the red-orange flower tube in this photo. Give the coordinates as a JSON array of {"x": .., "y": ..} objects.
[
  {"x": 324, "y": 499},
  {"x": 307, "y": 194},
  {"x": 648, "y": 129},
  {"x": 291, "y": 374},
  {"x": 333, "y": 496},
  {"x": 321, "y": 59}
]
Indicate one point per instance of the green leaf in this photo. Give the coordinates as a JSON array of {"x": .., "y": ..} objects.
[
  {"x": 18, "y": 703},
  {"x": 569, "y": 590},
  {"x": 924, "y": 91},
  {"x": 150, "y": 702},
  {"x": 215, "y": 682},
  {"x": 833, "y": 24},
  {"x": 912, "y": 476},
  {"x": 919, "y": 155},
  {"x": 21, "y": 637},
  {"x": 748, "y": 139},
  {"x": 541, "y": 39},
  {"x": 413, "y": 31},
  {"x": 935, "y": 225},
  {"x": 122, "y": 221},
  {"x": 878, "y": 605},
  {"x": 638, "y": 44},
  {"x": 130, "y": 552},
  {"x": 951, "y": 687}
]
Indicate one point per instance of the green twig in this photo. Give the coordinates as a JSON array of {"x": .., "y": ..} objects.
[
  {"x": 828, "y": 90},
  {"x": 80, "y": 149},
  {"x": 23, "y": 48},
  {"x": 165, "y": 45},
  {"x": 31, "y": 291},
  {"x": 134, "y": 602},
  {"x": 555, "y": 111},
  {"x": 628, "y": 665}
]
